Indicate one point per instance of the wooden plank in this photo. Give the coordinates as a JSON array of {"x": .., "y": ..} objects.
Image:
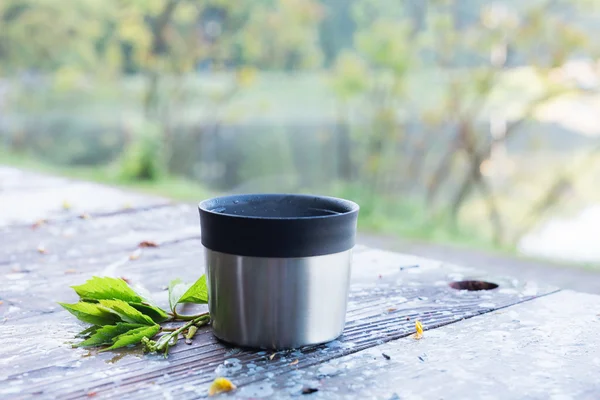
[
  {"x": 77, "y": 239},
  {"x": 545, "y": 348}
]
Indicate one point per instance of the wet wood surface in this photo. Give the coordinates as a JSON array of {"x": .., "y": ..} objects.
[{"x": 50, "y": 247}]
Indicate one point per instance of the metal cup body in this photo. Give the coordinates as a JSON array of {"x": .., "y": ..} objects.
[{"x": 278, "y": 303}]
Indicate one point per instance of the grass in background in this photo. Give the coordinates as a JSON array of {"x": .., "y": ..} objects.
[{"x": 410, "y": 218}]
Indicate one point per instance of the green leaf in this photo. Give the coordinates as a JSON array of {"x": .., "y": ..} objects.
[
  {"x": 87, "y": 332},
  {"x": 107, "y": 288},
  {"x": 106, "y": 334},
  {"x": 147, "y": 298},
  {"x": 126, "y": 312},
  {"x": 154, "y": 312},
  {"x": 133, "y": 336},
  {"x": 180, "y": 292},
  {"x": 176, "y": 289},
  {"x": 91, "y": 313},
  {"x": 197, "y": 293}
]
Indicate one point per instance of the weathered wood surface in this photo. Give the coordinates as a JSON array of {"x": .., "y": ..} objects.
[
  {"x": 389, "y": 292},
  {"x": 26, "y": 197},
  {"x": 542, "y": 349}
]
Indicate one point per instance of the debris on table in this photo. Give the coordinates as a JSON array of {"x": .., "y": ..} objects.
[
  {"x": 221, "y": 385},
  {"x": 386, "y": 356},
  {"x": 309, "y": 390},
  {"x": 419, "y": 330},
  {"x": 147, "y": 243}
]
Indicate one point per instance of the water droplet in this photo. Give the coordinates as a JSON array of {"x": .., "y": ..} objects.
[
  {"x": 328, "y": 370},
  {"x": 229, "y": 367},
  {"x": 257, "y": 390}
]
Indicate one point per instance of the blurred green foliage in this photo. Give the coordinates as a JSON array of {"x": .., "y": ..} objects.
[
  {"x": 143, "y": 158},
  {"x": 390, "y": 103}
]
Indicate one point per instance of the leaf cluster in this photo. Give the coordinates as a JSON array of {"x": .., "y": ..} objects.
[{"x": 120, "y": 316}]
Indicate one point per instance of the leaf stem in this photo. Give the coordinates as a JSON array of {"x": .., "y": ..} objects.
[
  {"x": 186, "y": 317},
  {"x": 198, "y": 320}
]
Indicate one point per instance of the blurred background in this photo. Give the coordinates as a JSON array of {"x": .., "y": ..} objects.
[{"x": 472, "y": 123}]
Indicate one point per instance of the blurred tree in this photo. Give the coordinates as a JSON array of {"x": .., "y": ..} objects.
[
  {"x": 281, "y": 34},
  {"x": 376, "y": 73},
  {"x": 472, "y": 94},
  {"x": 350, "y": 79},
  {"x": 336, "y": 29},
  {"x": 460, "y": 63},
  {"x": 30, "y": 34},
  {"x": 165, "y": 41}
]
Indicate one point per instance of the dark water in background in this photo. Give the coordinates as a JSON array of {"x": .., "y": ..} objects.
[{"x": 257, "y": 157}]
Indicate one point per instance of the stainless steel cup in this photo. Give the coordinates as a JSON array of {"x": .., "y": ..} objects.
[{"x": 278, "y": 267}]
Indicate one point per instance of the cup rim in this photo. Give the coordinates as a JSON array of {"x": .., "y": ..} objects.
[
  {"x": 208, "y": 205},
  {"x": 308, "y": 226}
]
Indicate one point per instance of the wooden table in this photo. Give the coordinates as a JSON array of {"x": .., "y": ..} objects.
[{"x": 519, "y": 340}]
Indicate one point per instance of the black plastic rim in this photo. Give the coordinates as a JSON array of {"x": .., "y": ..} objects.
[{"x": 278, "y": 225}]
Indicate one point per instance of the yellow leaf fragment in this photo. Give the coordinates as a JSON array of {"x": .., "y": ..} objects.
[
  {"x": 42, "y": 249},
  {"x": 294, "y": 362},
  {"x": 66, "y": 205},
  {"x": 419, "y": 330},
  {"x": 220, "y": 385},
  {"x": 272, "y": 356}
]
